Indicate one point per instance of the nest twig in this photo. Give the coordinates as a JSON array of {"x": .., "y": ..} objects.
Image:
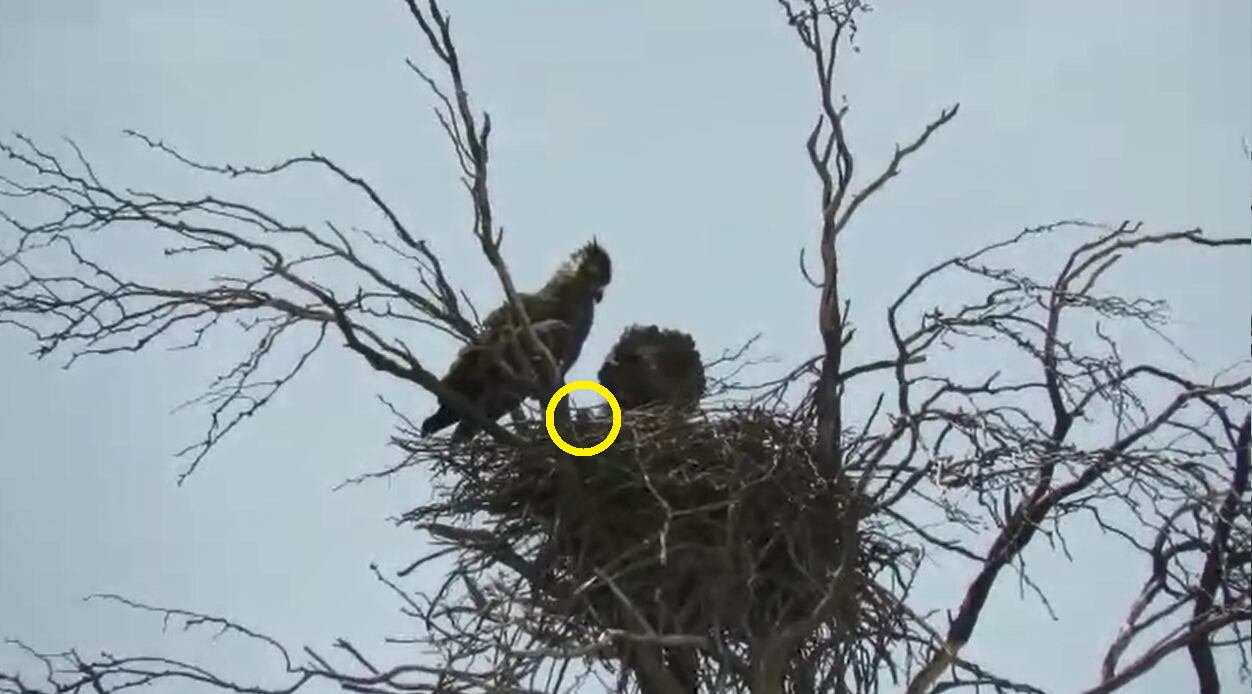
[{"x": 717, "y": 525}]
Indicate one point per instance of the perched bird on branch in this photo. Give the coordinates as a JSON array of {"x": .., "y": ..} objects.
[
  {"x": 495, "y": 375},
  {"x": 486, "y": 371},
  {"x": 654, "y": 367}
]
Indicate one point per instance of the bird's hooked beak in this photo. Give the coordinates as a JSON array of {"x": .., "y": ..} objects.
[{"x": 597, "y": 294}]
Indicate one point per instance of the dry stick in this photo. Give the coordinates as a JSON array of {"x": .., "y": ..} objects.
[
  {"x": 470, "y": 142},
  {"x": 1199, "y": 649}
]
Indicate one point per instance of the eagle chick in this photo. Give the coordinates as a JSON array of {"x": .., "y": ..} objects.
[{"x": 650, "y": 366}]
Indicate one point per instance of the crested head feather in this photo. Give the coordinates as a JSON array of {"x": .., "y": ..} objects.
[{"x": 589, "y": 266}]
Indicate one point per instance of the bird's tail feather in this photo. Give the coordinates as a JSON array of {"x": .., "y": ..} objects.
[{"x": 442, "y": 418}]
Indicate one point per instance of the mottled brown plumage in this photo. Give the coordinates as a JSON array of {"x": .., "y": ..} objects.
[
  {"x": 491, "y": 376},
  {"x": 562, "y": 312}
]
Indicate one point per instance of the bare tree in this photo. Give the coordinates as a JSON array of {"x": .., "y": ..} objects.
[{"x": 769, "y": 544}]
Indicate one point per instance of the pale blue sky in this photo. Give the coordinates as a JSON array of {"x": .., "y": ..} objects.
[{"x": 672, "y": 131}]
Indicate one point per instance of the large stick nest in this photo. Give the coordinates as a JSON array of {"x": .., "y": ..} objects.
[{"x": 716, "y": 525}]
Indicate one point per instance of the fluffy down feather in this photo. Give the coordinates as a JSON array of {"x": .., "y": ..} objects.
[{"x": 650, "y": 366}]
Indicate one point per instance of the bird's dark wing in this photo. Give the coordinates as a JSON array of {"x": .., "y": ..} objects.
[
  {"x": 487, "y": 375},
  {"x": 467, "y": 377},
  {"x": 538, "y": 307}
]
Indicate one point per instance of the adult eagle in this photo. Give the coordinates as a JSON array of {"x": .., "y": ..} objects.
[
  {"x": 561, "y": 313},
  {"x": 654, "y": 367}
]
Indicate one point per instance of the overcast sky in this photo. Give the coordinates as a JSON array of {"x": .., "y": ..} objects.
[{"x": 672, "y": 131}]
